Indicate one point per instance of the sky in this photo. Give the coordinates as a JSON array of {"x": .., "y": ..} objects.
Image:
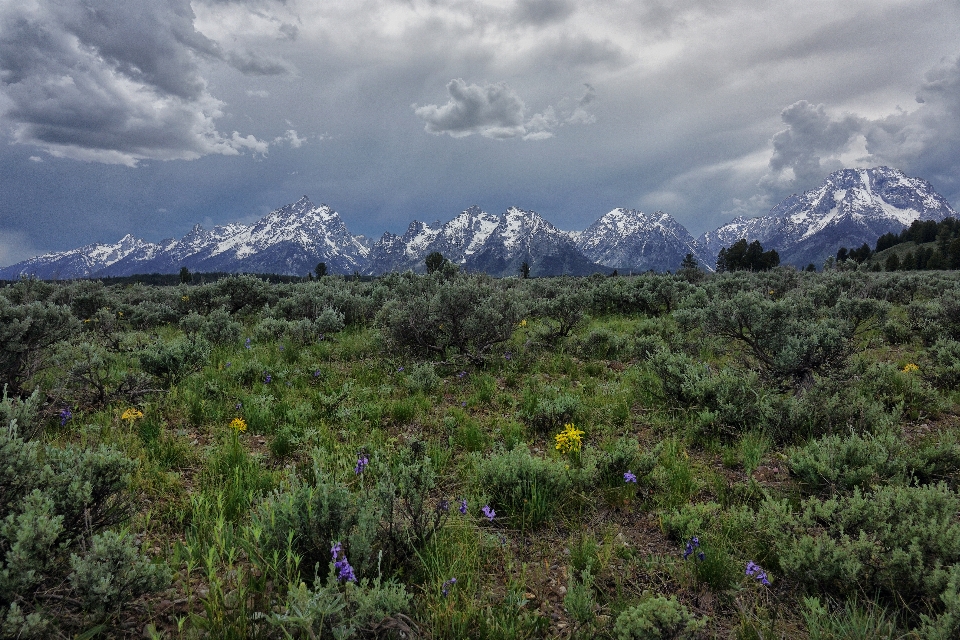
[{"x": 150, "y": 116}]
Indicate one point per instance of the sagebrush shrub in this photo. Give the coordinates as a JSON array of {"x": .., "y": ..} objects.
[
  {"x": 547, "y": 408},
  {"x": 170, "y": 361},
  {"x": 528, "y": 490},
  {"x": 898, "y": 542},
  {"x": 656, "y": 618},
  {"x": 26, "y": 330},
  {"x": 55, "y": 505}
]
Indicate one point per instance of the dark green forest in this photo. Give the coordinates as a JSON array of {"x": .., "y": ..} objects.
[{"x": 752, "y": 454}]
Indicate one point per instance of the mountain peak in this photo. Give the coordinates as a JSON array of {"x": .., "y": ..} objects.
[{"x": 849, "y": 208}]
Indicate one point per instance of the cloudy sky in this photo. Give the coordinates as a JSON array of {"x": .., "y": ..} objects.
[{"x": 148, "y": 116}]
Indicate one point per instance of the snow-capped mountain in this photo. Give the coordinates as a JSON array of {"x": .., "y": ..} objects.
[
  {"x": 628, "y": 239},
  {"x": 83, "y": 262},
  {"x": 457, "y": 240},
  {"x": 479, "y": 241},
  {"x": 524, "y": 236},
  {"x": 290, "y": 240},
  {"x": 851, "y": 207}
]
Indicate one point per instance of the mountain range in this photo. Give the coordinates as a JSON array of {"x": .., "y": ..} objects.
[{"x": 851, "y": 207}]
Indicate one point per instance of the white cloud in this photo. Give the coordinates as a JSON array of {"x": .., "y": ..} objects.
[
  {"x": 117, "y": 85},
  {"x": 495, "y": 111}
]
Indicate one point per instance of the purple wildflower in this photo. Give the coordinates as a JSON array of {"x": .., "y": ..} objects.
[
  {"x": 340, "y": 563},
  {"x": 463, "y": 506},
  {"x": 445, "y": 589},
  {"x": 488, "y": 512},
  {"x": 267, "y": 377},
  {"x": 247, "y": 343},
  {"x": 443, "y": 506},
  {"x": 362, "y": 462},
  {"x": 753, "y": 569},
  {"x": 281, "y": 347},
  {"x": 228, "y": 364},
  {"x": 462, "y": 375},
  {"x": 507, "y": 356},
  {"x": 316, "y": 374},
  {"x": 629, "y": 477},
  {"x": 399, "y": 369},
  {"x": 239, "y": 405},
  {"x": 65, "y": 416},
  {"x": 692, "y": 544}
]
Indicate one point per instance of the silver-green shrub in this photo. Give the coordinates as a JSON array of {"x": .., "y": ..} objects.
[
  {"x": 26, "y": 330},
  {"x": 527, "y": 490},
  {"x": 897, "y": 542},
  {"x": 657, "y": 618}
]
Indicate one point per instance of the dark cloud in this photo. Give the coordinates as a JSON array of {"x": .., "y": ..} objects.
[
  {"x": 113, "y": 81},
  {"x": 541, "y": 12},
  {"x": 927, "y": 139},
  {"x": 492, "y": 110},
  {"x": 496, "y": 111},
  {"x": 924, "y": 141},
  {"x": 810, "y": 135},
  {"x": 258, "y": 65}
]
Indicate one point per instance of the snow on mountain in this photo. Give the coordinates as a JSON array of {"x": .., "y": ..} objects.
[
  {"x": 456, "y": 240},
  {"x": 524, "y": 236},
  {"x": 851, "y": 207},
  {"x": 628, "y": 239},
  {"x": 78, "y": 263},
  {"x": 290, "y": 240}
]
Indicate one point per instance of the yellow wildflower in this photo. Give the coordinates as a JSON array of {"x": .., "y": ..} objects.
[
  {"x": 523, "y": 323},
  {"x": 184, "y": 298},
  {"x": 569, "y": 439},
  {"x": 131, "y": 414},
  {"x": 238, "y": 424},
  {"x": 911, "y": 368}
]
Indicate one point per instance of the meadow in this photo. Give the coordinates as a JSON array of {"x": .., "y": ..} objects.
[{"x": 739, "y": 455}]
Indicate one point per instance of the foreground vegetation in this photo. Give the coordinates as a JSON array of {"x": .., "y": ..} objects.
[{"x": 744, "y": 455}]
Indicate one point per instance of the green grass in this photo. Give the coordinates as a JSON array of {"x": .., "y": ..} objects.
[{"x": 568, "y": 550}]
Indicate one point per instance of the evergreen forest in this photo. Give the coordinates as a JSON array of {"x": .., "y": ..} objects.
[{"x": 753, "y": 454}]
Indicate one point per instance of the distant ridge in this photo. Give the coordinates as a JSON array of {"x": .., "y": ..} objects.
[{"x": 851, "y": 207}]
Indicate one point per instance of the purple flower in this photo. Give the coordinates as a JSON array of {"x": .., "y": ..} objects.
[
  {"x": 340, "y": 563},
  {"x": 629, "y": 477},
  {"x": 247, "y": 343},
  {"x": 228, "y": 364},
  {"x": 316, "y": 374},
  {"x": 239, "y": 405},
  {"x": 507, "y": 355},
  {"x": 65, "y": 416},
  {"x": 753, "y": 569},
  {"x": 488, "y": 512},
  {"x": 445, "y": 589},
  {"x": 267, "y": 378},
  {"x": 463, "y": 507},
  {"x": 694, "y": 543},
  {"x": 281, "y": 347},
  {"x": 462, "y": 375},
  {"x": 399, "y": 369},
  {"x": 443, "y": 506},
  {"x": 362, "y": 462}
]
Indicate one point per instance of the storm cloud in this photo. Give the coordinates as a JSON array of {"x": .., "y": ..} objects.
[
  {"x": 923, "y": 141},
  {"x": 393, "y": 110},
  {"x": 114, "y": 82},
  {"x": 496, "y": 111}
]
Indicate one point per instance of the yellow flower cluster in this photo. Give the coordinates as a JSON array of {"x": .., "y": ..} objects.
[
  {"x": 911, "y": 368},
  {"x": 569, "y": 439},
  {"x": 238, "y": 424},
  {"x": 523, "y": 323},
  {"x": 131, "y": 414}
]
